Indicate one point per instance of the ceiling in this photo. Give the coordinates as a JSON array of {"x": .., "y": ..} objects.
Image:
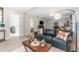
[
  {"x": 21, "y": 9},
  {"x": 43, "y": 12}
]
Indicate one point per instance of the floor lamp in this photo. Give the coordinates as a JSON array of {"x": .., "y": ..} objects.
[{"x": 72, "y": 12}]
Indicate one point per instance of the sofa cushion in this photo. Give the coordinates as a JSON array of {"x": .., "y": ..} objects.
[
  {"x": 47, "y": 38},
  {"x": 59, "y": 43},
  {"x": 51, "y": 32}
]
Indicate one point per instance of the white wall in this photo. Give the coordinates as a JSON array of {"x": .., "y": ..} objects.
[
  {"x": 73, "y": 44},
  {"x": 24, "y": 21},
  {"x": 7, "y": 12},
  {"x": 15, "y": 18},
  {"x": 27, "y": 22},
  {"x": 77, "y": 19}
]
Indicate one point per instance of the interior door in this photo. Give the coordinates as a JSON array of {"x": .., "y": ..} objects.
[{"x": 15, "y": 22}]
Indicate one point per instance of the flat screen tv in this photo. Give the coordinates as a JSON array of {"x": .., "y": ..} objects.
[{"x": 41, "y": 22}]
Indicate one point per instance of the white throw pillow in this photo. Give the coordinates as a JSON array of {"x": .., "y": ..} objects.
[
  {"x": 62, "y": 35},
  {"x": 40, "y": 31}
]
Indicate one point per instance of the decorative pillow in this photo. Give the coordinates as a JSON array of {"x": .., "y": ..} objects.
[
  {"x": 40, "y": 31},
  {"x": 62, "y": 35}
]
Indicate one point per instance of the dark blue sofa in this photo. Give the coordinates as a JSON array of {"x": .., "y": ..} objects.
[{"x": 50, "y": 37}]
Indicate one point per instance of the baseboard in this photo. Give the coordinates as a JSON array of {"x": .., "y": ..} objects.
[{"x": 73, "y": 51}]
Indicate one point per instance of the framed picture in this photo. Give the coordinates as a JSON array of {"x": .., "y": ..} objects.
[{"x": 1, "y": 14}]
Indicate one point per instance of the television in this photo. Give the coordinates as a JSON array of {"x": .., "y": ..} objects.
[{"x": 41, "y": 22}]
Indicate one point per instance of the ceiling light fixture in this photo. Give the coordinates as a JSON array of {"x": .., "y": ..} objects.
[
  {"x": 57, "y": 16},
  {"x": 51, "y": 15}
]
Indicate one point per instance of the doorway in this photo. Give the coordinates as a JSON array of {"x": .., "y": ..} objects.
[{"x": 15, "y": 22}]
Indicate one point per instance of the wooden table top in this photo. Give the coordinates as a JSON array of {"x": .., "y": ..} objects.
[{"x": 37, "y": 48}]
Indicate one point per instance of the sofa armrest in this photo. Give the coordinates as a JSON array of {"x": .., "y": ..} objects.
[{"x": 35, "y": 32}]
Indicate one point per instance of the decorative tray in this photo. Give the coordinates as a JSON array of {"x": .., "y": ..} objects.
[{"x": 35, "y": 43}]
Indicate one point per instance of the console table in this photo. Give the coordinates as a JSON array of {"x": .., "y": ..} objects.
[{"x": 3, "y": 35}]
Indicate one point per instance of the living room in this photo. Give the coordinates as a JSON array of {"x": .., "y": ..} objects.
[{"x": 43, "y": 23}]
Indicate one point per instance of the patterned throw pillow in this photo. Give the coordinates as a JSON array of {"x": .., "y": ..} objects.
[{"x": 62, "y": 35}]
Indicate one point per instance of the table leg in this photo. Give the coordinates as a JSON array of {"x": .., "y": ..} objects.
[{"x": 26, "y": 48}]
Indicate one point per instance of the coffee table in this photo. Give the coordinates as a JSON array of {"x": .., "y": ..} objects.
[{"x": 37, "y": 48}]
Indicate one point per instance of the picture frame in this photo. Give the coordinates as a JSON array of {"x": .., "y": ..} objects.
[{"x": 1, "y": 14}]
